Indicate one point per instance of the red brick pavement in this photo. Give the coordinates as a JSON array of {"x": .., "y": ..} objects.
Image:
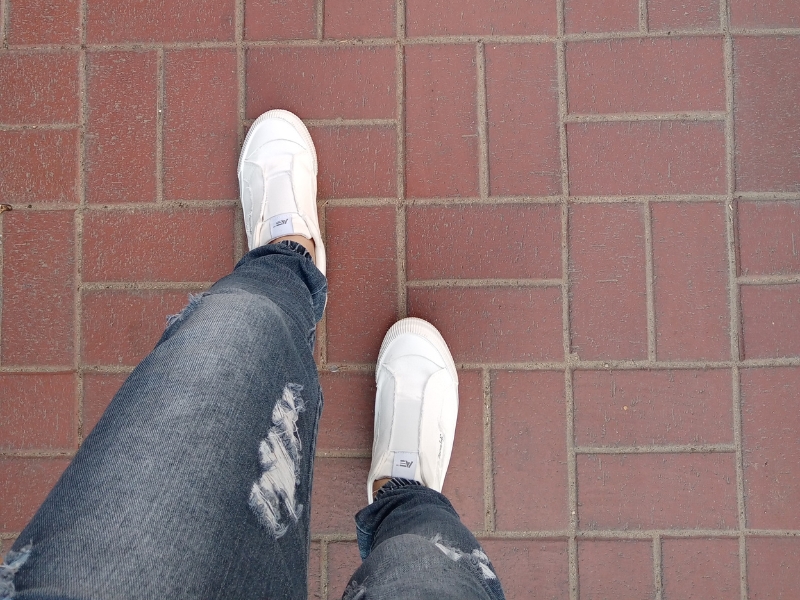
[{"x": 596, "y": 201}]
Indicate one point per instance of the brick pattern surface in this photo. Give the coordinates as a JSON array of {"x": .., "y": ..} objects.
[{"x": 596, "y": 201}]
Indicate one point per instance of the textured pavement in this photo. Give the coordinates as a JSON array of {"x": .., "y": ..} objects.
[{"x": 596, "y": 201}]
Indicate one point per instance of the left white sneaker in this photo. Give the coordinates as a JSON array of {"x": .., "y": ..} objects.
[{"x": 278, "y": 182}]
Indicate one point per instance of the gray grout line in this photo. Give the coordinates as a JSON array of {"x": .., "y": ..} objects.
[
  {"x": 377, "y": 201},
  {"x": 768, "y": 279},
  {"x": 400, "y": 215},
  {"x": 39, "y": 127},
  {"x": 4, "y": 22},
  {"x": 649, "y": 282},
  {"x": 578, "y": 365},
  {"x": 569, "y": 397},
  {"x": 320, "y": 10},
  {"x": 323, "y": 567},
  {"x": 740, "y": 494},
  {"x": 766, "y": 196},
  {"x": 423, "y": 40},
  {"x": 37, "y": 453},
  {"x": 482, "y": 121},
  {"x": 160, "y": 102},
  {"x": 459, "y": 283},
  {"x": 83, "y": 76},
  {"x": 347, "y": 122},
  {"x": 657, "y": 567},
  {"x": 95, "y": 286},
  {"x": 633, "y": 117},
  {"x": 488, "y": 454},
  {"x": 343, "y": 453},
  {"x": 131, "y": 206},
  {"x": 658, "y": 449},
  {"x": 239, "y": 235},
  {"x": 733, "y": 290},
  {"x": 644, "y": 27},
  {"x": 2, "y": 287}
]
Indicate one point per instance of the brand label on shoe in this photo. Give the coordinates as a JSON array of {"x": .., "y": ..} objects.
[
  {"x": 281, "y": 225},
  {"x": 405, "y": 465}
]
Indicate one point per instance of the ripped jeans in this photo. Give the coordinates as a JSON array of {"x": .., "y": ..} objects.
[{"x": 196, "y": 482}]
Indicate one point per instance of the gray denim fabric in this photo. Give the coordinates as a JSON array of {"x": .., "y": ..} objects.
[{"x": 196, "y": 482}]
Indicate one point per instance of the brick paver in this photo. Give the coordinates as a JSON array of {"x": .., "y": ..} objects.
[{"x": 596, "y": 201}]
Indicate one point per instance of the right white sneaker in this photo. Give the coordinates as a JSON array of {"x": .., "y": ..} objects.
[
  {"x": 416, "y": 406},
  {"x": 278, "y": 182}
]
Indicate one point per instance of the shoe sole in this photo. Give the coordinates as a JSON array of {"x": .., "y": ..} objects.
[
  {"x": 420, "y": 327},
  {"x": 290, "y": 118}
]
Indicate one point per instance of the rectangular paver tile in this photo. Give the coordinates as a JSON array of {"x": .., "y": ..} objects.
[
  {"x": 343, "y": 560},
  {"x": 669, "y": 157},
  {"x": 595, "y": 16},
  {"x": 607, "y": 293},
  {"x": 24, "y": 484},
  {"x": 38, "y": 411},
  {"x": 669, "y": 15},
  {"x": 476, "y": 242},
  {"x": 360, "y": 18},
  {"x": 765, "y": 13},
  {"x": 122, "y": 124},
  {"x": 771, "y": 320},
  {"x": 639, "y": 408},
  {"x": 619, "y": 569},
  {"x": 349, "y": 82},
  {"x": 494, "y": 324},
  {"x": 347, "y": 418},
  {"x": 522, "y": 112},
  {"x": 772, "y": 572},
  {"x": 38, "y": 166},
  {"x": 362, "y": 275},
  {"x": 339, "y": 492},
  {"x": 769, "y": 238},
  {"x": 200, "y": 152},
  {"x": 356, "y": 162},
  {"x": 120, "y": 327},
  {"x": 98, "y": 390},
  {"x": 657, "y": 491},
  {"x": 767, "y": 114},
  {"x": 39, "y": 87},
  {"x": 646, "y": 75},
  {"x": 530, "y": 568},
  {"x": 530, "y": 450},
  {"x": 441, "y": 121},
  {"x": 771, "y": 447},
  {"x": 464, "y": 483},
  {"x": 43, "y": 22},
  {"x": 110, "y": 21},
  {"x": 700, "y": 569},
  {"x": 285, "y": 20},
  {"x": 38, "y": 288},
  {"x": 476, "y": 17},
  {"x": 158, "y": 245},
  {"x": 690, "y": 273}
]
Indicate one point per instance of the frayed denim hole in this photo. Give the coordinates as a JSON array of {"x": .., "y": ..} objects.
[
  {"x": 194, "y": 302},
  {"x": 13, "y": 563}
]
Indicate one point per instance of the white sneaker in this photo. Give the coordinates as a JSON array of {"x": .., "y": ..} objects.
[
  {"x": 416, "y": 406},
  {"x": 278, "y": 182}
]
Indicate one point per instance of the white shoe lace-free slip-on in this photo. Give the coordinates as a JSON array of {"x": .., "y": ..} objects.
[
  {"x": 278, "y": 182},
  {"x": 416, "y": 406}
]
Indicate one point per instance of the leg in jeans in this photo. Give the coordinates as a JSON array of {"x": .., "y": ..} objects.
[{"x": 196, "y": 481}]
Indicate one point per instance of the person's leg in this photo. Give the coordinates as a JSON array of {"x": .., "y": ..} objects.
[
  {"x": 411, "y": 540},
  {"x": 196, "y": 482}
]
